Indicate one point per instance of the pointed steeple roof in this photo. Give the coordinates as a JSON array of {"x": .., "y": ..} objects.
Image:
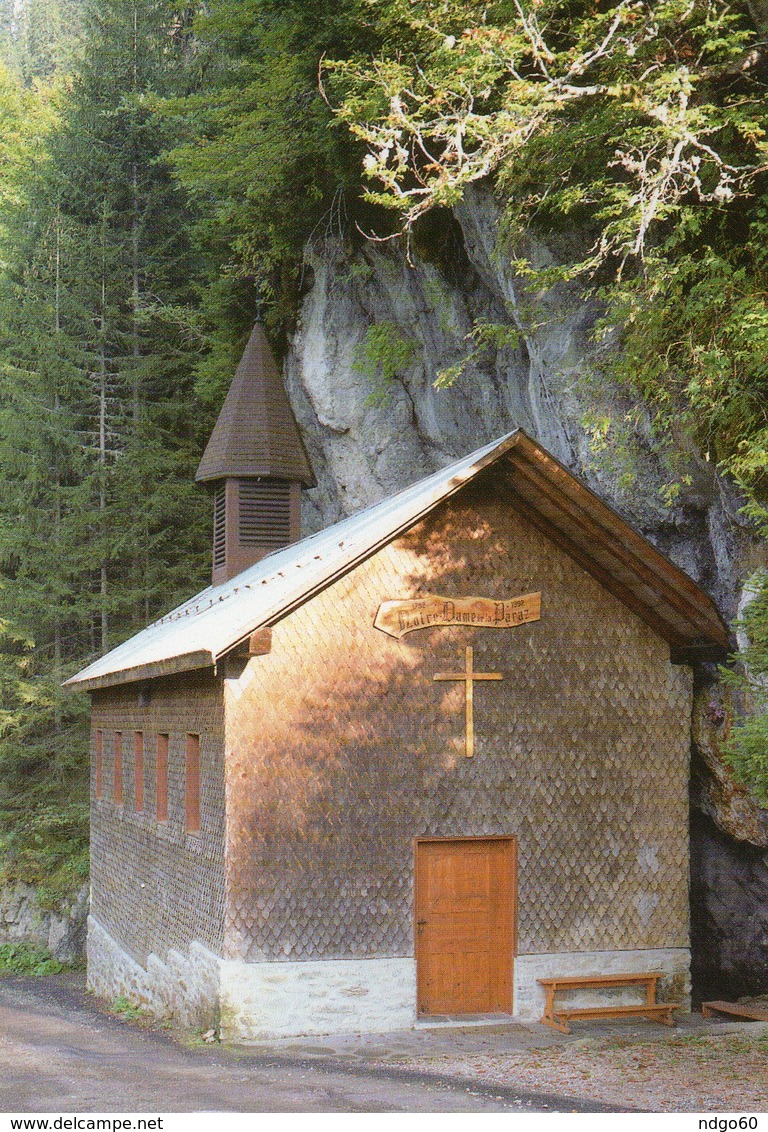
[{"x": 256, "y": 433}]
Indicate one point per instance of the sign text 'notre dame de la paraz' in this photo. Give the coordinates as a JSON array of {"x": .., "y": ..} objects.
[{"x": 402, "y": 616}]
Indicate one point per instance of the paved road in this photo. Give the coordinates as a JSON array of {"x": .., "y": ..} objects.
[{"x": 59, "y": 1053}]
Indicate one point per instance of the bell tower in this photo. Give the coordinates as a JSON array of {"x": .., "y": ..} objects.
[{"x": 256, "y": 464}]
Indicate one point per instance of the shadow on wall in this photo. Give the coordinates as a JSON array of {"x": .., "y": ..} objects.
[
  {"x": 341, "y": 753},
  {"x": 729, "y": 914}
]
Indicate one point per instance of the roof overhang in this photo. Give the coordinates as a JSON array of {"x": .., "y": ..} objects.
[
  {"x": 550, "y": 497},
  {"x": 614, "y": 553},
  {"x": 172, "y": 666}
]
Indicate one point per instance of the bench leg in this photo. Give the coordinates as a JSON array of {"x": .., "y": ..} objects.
[
  {"x": 549, "y": 1013},
  {"x": 557, "y": 1024},
  {"x": 665, "y": 1019},
  {"x": 707, "y": 1012}
]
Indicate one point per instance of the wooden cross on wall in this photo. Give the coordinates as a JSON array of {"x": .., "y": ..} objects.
[{"x": 469, "y": 677}]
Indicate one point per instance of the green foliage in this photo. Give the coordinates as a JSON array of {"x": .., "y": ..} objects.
[
  {"x": 128, "y": 1011},
  {"x": 483, "y": 337},
  {"x": 748, "y": 754},
  {"x": 634, "y": 136},
  {"x": 695, "y": 343},
  {"x": 25, "y": 959},
  {"x": 162, "y": 165},
  {"x": 258, "y": 150},
  {"x": 747, "y": 750},
  {"x": 101, "y": 526},
  {"x": 614, "y": 117},
  {"x": 382, "y": 355},
  {"x": 38, "y": 38}
]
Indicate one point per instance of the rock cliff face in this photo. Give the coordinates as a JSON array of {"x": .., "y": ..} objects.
[
  {"x": 61, "y": 932},
  {"x": 373, "y": 421},
  {"x": 368, "y": 436}
]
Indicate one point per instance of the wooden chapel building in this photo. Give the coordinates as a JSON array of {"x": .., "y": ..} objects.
[{"x": 403, "y": 767}]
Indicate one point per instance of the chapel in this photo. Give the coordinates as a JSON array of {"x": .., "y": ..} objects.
[{"x": 401, "y": 769}]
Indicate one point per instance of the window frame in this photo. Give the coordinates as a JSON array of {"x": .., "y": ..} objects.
[
  {"x": 98, "y": 768},
  {"x": 162, "y": 745},
  {"x": 138, "y": 771},
  {"x": 192, "y": 783},
  {"x": 117, "y": 768}
]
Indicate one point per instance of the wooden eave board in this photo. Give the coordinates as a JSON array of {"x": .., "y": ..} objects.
[
  {"x": 588, "y": 524},
  {"x": 187, "y": 662},
  {"x": 601, "y": 575},
  {"x": 603, "y": 543},
  {"x": 612, "y": 572},
  {"x": 542, "y": 462}
]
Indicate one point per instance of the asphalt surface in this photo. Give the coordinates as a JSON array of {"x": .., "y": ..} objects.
[{"x": 61, "y": 1053}]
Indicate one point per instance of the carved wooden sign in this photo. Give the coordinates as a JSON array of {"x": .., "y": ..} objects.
[{"x": 403, "y": 616}]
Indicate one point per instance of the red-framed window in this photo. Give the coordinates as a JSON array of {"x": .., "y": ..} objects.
[
  {"x": 161, "y": 778},
  {"x": 98, "y": 755},
  {"x": 138, "y": 771},
  {"x": 117, "y": 777},
  {"x": 192, "y": 784}
]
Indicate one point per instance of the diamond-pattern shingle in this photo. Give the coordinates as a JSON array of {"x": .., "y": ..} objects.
[{"x": 342, "y": 749}]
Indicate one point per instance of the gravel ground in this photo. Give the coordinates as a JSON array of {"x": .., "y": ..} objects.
[
  {"x": 685, "y": 1073},
  {"x": 59, "y": 1050},
  {"x": 61, "y": 1053}
]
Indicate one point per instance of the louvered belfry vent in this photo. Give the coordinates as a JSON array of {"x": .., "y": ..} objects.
[
  {"x": 256, "y": 464},
  {"x": 219, "y": 526},
  {"x": 264, "y": 513}
]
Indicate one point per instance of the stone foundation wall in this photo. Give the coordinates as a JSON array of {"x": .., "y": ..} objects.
[
  {"x": 271, "y": 1000},
  {"x": 180, "y": 986},
  {"x": 261, "y": 1001},
  {"x": 674, "y": 963}
]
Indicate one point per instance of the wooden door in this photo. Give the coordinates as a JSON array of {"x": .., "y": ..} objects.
[{"x": 465, "y": 911}]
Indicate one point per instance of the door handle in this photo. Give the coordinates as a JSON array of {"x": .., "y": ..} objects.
[{"x": 420, "y": 925}]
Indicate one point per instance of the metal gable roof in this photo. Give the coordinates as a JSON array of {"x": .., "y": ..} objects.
[{"x": 201, "y": 631}]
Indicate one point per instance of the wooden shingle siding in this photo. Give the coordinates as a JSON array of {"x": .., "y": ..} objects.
[
  {"x": 344, "y": 749},
  {"x": 256, "y": 433},
  {"x": 153, "y": 886}
]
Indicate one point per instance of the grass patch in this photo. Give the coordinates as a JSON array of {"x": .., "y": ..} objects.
[
  {"x": 123, "y": 1008},
  {"x": 26, "y": 959},
  {"x": 201, "y": 1038}
]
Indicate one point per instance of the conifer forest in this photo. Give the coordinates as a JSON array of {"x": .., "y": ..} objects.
[{"x": 163, "y": 165}]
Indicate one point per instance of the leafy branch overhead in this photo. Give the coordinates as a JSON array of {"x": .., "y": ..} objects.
[{"x": 620, "y": 113}]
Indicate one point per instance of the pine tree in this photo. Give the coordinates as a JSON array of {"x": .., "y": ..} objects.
[
  {"x": 262, "y": 157},
  {"x": 101, "y": 525},
  {"x": 113, "y": 184},
  {"x": 38, "y": 38}
]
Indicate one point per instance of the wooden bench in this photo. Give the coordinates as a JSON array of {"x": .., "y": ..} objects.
[
  {"x": 557, "y": 1017},
  {"x": 733, "y": 1010}
]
